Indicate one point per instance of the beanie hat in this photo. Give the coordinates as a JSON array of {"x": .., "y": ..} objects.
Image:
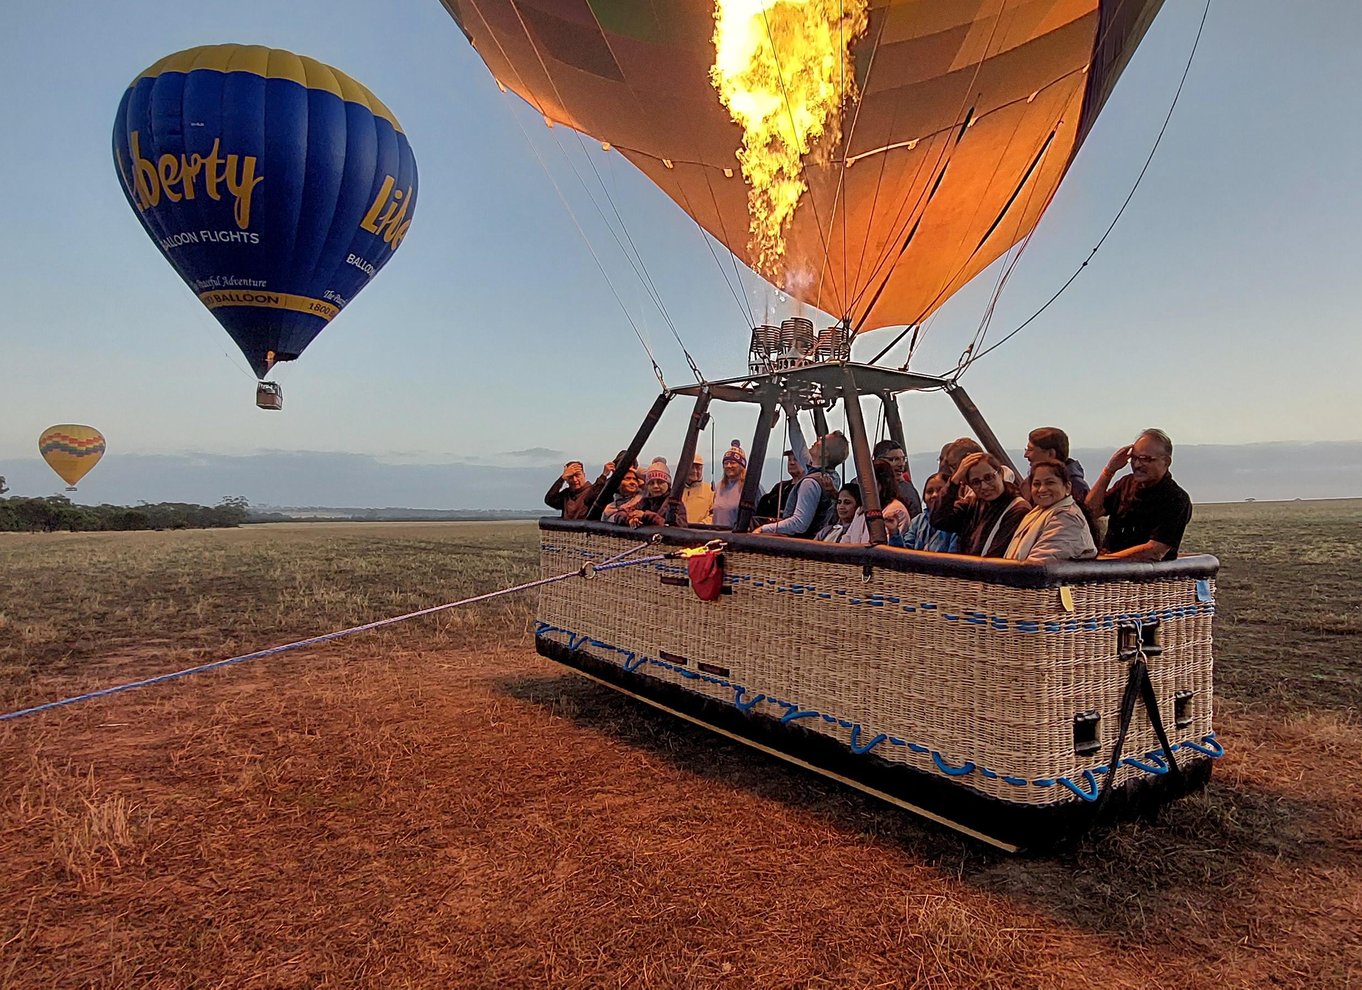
[
  {"x": 734, "y": 454},
  {"x": 657, "y": 471}
]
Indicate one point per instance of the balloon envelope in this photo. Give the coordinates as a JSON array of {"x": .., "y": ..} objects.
[
  {"x": 71, "y": 450},
  {"x": 275, "y": 185},
  {"x": 969, "y": 114}
]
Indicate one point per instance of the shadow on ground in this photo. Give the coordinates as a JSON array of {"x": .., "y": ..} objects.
[{"x": 1133, "y": 878}]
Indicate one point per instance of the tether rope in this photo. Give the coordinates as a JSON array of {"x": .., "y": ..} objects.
[{"x": 586, "y": 570}]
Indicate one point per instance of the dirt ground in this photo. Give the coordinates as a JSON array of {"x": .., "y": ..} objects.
[{"x": 439, "y": 807}]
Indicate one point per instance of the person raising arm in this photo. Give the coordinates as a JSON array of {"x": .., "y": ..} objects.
[{"x": 1147, "y": 511}]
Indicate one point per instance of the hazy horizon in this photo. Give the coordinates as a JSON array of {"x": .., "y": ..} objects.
[{"x": 1210, "y": 473}]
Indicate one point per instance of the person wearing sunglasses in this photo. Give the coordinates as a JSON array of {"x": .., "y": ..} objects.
[
  {"x": 1147, "y": 511},
  {"x": 987, "y": 522}
]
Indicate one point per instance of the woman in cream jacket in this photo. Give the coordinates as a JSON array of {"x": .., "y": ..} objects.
[{"x": 1056, "y": 528}]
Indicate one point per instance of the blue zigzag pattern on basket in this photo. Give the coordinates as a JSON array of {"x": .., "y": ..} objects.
[
  {"x": 1152, "y": 763},
  {"x": 994, "y": 623}
]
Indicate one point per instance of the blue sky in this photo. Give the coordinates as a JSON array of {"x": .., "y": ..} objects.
[{"x": 1223, "y": 308}]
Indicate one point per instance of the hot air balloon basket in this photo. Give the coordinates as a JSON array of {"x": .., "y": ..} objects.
[{"x": 984, "y": 695}]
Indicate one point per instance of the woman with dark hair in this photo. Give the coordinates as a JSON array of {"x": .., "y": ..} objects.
[
  {"x": 1057, "y": 528},
  {"x": 921, "y": 535},
  {"x": 986, "y": 522},
  {"x": 848, "y": 525},
  {"x": 895, "y": 513},
  {"x": 626, "y": 499}
]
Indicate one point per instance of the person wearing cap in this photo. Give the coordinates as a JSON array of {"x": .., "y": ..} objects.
[
  {"x": 698, "y": 495},
  {"x": 772, "y": 504},
  {"x": 889, "y": 450},
  {"x": 728, "y": 493},
  {"x": 657, "y": 485}
]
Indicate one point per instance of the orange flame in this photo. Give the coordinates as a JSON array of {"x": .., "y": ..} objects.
[{"x": 783, "y": 69}]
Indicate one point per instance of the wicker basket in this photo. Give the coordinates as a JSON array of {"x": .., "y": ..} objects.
[{"x": 985, "y": 674}]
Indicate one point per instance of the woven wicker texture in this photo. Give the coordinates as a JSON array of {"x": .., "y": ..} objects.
[{"x": 934, "y": 672}]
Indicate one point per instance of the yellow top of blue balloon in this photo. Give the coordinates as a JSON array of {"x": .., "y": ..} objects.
[{"x": 273, "y": 63}]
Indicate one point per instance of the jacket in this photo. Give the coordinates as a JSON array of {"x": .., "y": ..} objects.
[
  {"x": 652, "y": 506},
  {"x": 855, "y": 531},
  {"x": 572, "y": 504},
  {"x": 1060, "y": 532},
  {"x": 985, "y": 528},
  {"x": 698, "y": 497}
]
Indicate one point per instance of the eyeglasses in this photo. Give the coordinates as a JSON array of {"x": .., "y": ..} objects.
[
  {"x": 986, "y": 479},
  {"x": 1145, "y": 458}
]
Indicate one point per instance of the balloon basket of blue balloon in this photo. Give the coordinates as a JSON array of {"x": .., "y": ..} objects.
[{"x": 268, "y": 395}]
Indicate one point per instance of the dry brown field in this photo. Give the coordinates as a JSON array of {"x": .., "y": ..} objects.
[{"x": 432, "y": 805}]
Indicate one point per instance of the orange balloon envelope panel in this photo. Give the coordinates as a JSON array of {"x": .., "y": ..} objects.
[
  {"x": 951, "y": 126},
  {"x": 71, "y": 451}
]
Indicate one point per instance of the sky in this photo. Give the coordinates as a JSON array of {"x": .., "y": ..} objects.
[{"x": 1222, "y": 308}]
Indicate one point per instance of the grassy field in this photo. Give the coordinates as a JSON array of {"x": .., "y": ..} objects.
[{"x": 432, "y": 805}]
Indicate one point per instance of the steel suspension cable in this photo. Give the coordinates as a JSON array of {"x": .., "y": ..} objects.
[
  {"x": 657, "y": 370},
  {"x": 1191, "y": 56},
  {"x": 644, "y": 277}
]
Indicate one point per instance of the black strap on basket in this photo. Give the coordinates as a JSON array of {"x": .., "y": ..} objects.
[{"x": 1138, "y": 687}]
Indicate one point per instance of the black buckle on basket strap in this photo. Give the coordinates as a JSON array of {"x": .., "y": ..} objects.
[{"x": 1139, "y": 687}]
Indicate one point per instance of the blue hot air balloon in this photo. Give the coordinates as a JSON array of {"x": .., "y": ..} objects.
[{"x": 275, "y": 185}]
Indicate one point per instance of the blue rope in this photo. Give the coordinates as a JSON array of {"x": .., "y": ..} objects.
[{"x": 611, "y": 563}]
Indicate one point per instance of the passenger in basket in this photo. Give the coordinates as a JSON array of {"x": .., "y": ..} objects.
[
  {"x": 772, "y": 504},
  {"x": 808, "y": 510},
  {"x": 570, "y": 493},
  {"x": 850, "y": 526},
  {"x": 1050, "y": 443},
  {"x": 986, "y": 522},
  {"x": 1056, "y": 528},
  {"x": 1148, "y": 511},
  {"x": 657, "y": 481},
  {"x": 626, "y": 499},
  {"x": 948, "y": 461},
  {"x": 698, "y": 495},
  {"x": 728, "y": 494},
  {"x": 891, "y": 507},
  {"x": 921, "y": 534},
  {"x": 890, "y": 451}
]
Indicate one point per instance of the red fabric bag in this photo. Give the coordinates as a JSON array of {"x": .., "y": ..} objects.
[{"x": 706, "y": 575}]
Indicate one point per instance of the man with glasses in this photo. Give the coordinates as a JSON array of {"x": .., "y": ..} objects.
[
  {"x": 1147, "y": 510},
  {"x": 889, "y": 450}
]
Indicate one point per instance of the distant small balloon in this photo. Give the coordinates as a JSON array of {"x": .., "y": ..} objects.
[
  {"x": 275, "y": 185},
  {"x": 71, "y": 450}
]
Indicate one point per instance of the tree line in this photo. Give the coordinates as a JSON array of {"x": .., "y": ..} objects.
[{"x": 57, "y": 512}]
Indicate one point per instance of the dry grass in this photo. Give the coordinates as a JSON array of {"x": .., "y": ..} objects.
[{"x": 437, "y": 807}]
